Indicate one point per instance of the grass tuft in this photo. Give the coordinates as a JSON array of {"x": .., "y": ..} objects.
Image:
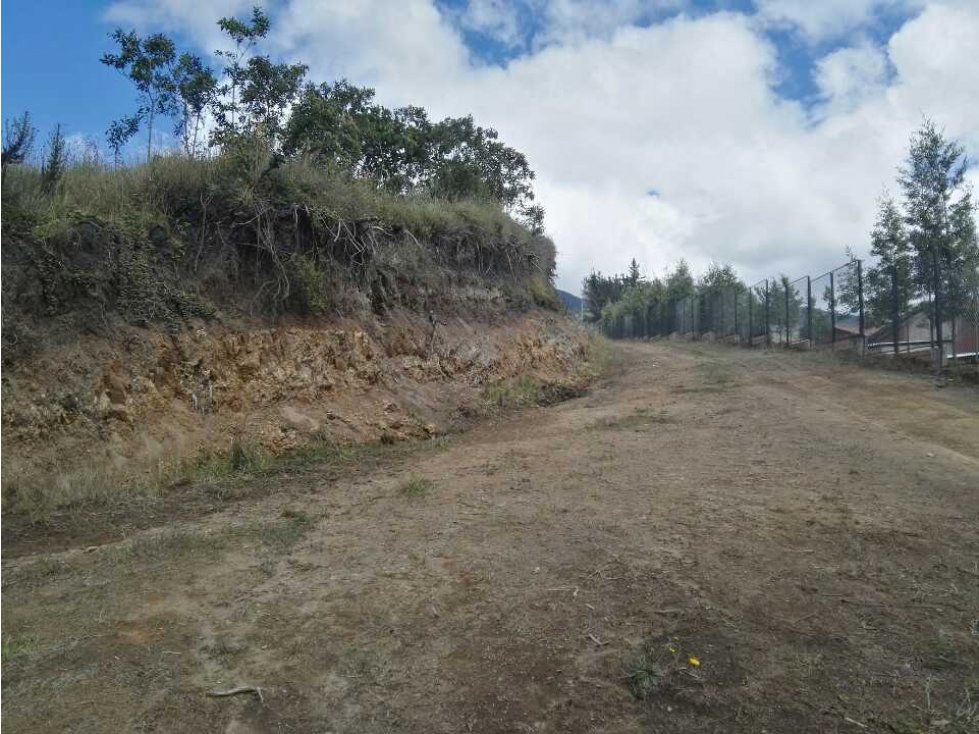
[
  {"x": 644, "y": 678},
  {"x": 416, "y": 487}
]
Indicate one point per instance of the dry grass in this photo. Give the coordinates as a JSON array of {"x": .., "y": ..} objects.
[
  {"x": 546, "y": 583},
  {"x": 68, "y": 502}
]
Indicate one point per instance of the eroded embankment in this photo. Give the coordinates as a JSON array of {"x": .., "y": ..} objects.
[{"x": 84, "y": 420}]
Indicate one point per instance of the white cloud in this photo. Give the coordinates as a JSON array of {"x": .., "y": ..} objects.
[
  {"x": 821, "y": 20},
  {"x": 497, "y": 19},
  {"x": 849, "y": 76},
  {"x": 198, "y": 18},
  {"x": 406, "y": 48},
  {"x": 572, "y": 21},
  {"x": 684, "y": 106}
]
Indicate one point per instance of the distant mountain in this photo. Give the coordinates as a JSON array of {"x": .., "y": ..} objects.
[{"x": 571, "y": 301}]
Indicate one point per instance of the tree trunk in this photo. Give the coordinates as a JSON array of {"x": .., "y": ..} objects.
[{"x": 149, "y": 136}]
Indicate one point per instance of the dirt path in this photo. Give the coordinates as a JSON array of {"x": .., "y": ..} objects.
[{"x": 808, "y": 532}]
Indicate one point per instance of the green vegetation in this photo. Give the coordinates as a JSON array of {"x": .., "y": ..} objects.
[
  {"x": 925, "y": 248},
  {"x": 416, "y": 487},
  {"x": 926, "y": 245},
  {"x": 340, "y": 206},
  {"x": 636, "y": 296}
]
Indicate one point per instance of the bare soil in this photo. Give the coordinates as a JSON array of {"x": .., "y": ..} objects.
[{"x": 711, "y": 540}]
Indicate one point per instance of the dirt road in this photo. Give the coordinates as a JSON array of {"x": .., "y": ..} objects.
[{"x": 711, "y": 540}]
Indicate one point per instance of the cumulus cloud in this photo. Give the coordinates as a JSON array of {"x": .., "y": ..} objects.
[
  {"x": 498, "y": 19},
  {"x": 821, "y": 20},
  {"x": 849, "y": 76},
  {"x": 571, "y": 21},
  {"x": 196, "y": 18},
  {"x": 684, "y": 106}
]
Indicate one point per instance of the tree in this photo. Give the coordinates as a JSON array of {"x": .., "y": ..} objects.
[
  {"x": 890, "y": 245},
  {"x": 55, "y": 162},
  {"x": 148, "y": 63},
  {"x": 679, "y": 283},
  {"x": 634, "y": 275},
  {"x": 267, "y": 91},
  {"x": 341, "y": 126},
  {"x": 938, "y": 215},
  {"x": 469, "y": 161},
  {"x": 196, "y": 90},
  {"x": 718, "y": 288},
  {"x": 329, "y": 125},
  {"x": 245, "y": 34},
  {"x": 600, "y": 290},
  {"x": 18, "y": 140},
  {"x": 533, "y": 217},
  {"x": 119, "y": 133}
]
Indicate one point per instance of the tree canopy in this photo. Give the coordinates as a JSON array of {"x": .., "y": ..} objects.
[{"x": 336, "y": 124}]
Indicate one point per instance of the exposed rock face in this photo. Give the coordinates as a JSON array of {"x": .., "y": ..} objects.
[{"x": 146, "y": 398}]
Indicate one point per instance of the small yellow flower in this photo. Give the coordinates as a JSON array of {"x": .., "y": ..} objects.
[
  {"x": 672, "y": 650},
  {"x": 694, "y": 662}
]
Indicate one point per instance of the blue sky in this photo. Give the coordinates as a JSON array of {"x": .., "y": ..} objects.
[
  {"x": 50, "y": 55},
  {"x": 766, "y": 128},
  {"x": 51, "y": 52}
]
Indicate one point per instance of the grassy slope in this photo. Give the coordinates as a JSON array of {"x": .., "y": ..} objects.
[{"x": 179, "y": 238}]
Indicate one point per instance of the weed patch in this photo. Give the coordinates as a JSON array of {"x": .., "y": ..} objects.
[
  {"x": 525, "y": 392},
  {"x": 641, "y": 418},
  {"x": 416, "y": 487},
  {"x": 644, "y": 678},
  {"x": 281, "y": 535}
]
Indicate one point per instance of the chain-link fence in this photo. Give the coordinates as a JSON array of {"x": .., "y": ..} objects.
[
  {"x": 797, "y": 313},
  {"x": 876, "y": 315}
]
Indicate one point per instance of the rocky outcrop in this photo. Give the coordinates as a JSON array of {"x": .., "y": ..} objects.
[{"x": 145, "y": 400}]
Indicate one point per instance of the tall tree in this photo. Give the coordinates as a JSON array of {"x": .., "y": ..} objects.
[
  {"x": 148, "y": 63},
  {"x": 634, "y": 275},
  {"x": 679, "y": 283},
  {"x": 244, "y": 34},
  {"x": 196, "y": 90},
  {"x": 600, "y": 290},
  {"x": 938, "y": 214},
  {"x": 471, "y": 162},
  {"x": 328, "y": 124},
  {"x": 268, "y": 90},
  {"x": 890, "y": 245}
]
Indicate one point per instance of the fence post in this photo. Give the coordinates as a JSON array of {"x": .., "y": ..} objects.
[
  {"x": 787, "y": 332},
  {"x": 863, "y": 336},
  {"x": 751, "y": 338},
  {"x": 832, "y": 308},
  {"x": 895, "y": 310},
  {"x": 768, "y": 316},
  {"x": 938, "y": 311},
  {"x": 812, "y": 342},
  {"x": 737, "y": 334}
]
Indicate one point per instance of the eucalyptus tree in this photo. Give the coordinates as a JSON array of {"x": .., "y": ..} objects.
[
  {"x": 149, "y": 64},
  {"x": 244, "y": 34},
  {"x": 196, "y": 90}
]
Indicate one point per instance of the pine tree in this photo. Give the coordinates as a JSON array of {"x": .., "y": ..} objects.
[{"x": 938, "y": 213}]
